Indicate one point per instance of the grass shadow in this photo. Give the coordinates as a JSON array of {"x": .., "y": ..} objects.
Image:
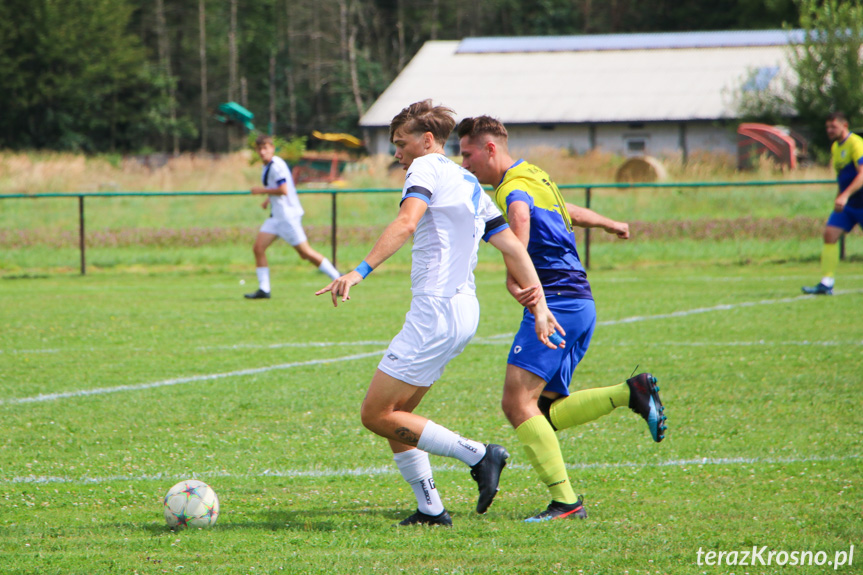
[
  {"x": 26, "y": 277},
  {"x": 322, "y": 520}
]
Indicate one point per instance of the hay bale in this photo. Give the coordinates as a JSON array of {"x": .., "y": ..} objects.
[{"x": 642, "y": 169}]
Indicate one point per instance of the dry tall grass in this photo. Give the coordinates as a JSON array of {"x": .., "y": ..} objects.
[
  {"x": 34, "y": 173},
  {"x": 41, "y": 172}
]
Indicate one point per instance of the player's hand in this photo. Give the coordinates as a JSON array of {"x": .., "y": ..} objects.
[
  {"x": 266, "y": 203},
  {"x": 620, "y": 229},
  {"x": 840, "y": 202},
  {"x": 342, "y": 286},
  {"x": 546, "y": 324},
  {"x": 528, "y": 297}
]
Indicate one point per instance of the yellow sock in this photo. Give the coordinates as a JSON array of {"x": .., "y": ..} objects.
[
  {"x": 543, "y": 451},
  {"x": 829, "y": 260},
  {"x": 588, "y": 404}
]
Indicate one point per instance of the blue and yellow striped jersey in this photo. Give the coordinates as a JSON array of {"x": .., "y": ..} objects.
[
  {"x": 847, "y": 155},
  {"x": 552, "y": 242}
]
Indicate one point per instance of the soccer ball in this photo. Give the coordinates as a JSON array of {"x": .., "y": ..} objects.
[{"x": 191, "y": 503}]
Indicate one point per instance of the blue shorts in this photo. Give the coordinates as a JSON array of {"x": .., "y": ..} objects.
[
  {"x": 555, "y": 366},
  {"x": 846, "y": 219}
]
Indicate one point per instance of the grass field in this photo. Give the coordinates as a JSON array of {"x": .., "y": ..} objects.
[{"x": 116, "y": 385}]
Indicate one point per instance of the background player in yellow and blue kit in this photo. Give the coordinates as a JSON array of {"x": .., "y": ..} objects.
[
  {"x": 847, "y": 154},
  {"x": 536, "y": 397}
]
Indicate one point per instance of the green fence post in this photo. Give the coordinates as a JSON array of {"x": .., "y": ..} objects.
[
  {"x": 586, "y": 231},
  {"x": 81, "y": 242},
  {"x": 333, "y": 227}
]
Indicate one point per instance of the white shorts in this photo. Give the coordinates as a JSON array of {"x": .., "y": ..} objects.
[
  {"x": 436, "y": 330},
  {"x": 289, "y": 230}
]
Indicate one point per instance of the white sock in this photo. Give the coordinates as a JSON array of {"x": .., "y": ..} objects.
[
  {"x": 263, "y": 278},
  {"x": 439, "y": 440},
  {"x": 828, "y": 281},
  {"x": 415, "y": 468},
  {"x": 329, "y": 269}
]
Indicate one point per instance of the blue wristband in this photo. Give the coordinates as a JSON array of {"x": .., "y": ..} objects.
[{"x": 364, "y": 269}]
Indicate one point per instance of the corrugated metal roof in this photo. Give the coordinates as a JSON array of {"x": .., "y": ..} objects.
[
  {"x": 622, "y": 85},
  {"x": 652, "y": 41}
]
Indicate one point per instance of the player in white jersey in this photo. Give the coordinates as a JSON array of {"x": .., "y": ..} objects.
[
  {"x": 445, "y": 209},
  {"x": 286, "y": 218}
]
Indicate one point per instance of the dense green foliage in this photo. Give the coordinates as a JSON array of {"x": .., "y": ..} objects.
[
  {"x": 830, "y": 66},
  {"x": 74, "y": 77},
  {"x": 131, "y": 74},
  {"x": 827, "y": 73}
]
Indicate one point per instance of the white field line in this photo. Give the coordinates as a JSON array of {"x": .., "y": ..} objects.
[
  {"x": 391, "y": 470},
  {"x": 26, "y": 351},
  {"x": 716, "y": 279},
  {"x": 293, "y": 344},
  {"x": 722, "y": 307},
  {"x": 492, "y": 339},
  {"x": 180, "y": 380},
  {"x": 803, "y": 343}
]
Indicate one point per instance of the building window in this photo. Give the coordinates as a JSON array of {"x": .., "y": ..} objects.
[
  {"x": 451, "y": 147},
  {"x": 636, "y": 146}
]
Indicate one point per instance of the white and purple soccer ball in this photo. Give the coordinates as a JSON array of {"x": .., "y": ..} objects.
[{"x": 191, "y": 503}]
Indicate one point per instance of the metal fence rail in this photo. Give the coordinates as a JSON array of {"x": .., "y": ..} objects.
[{"x": 335, "y": 192}]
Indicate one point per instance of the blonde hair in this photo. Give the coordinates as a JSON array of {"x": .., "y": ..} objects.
[{"x": 422, "y": 117}]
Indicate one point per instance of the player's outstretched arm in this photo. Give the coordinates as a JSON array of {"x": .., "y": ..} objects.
[
  {"x": 391, "y": 240},
  {"x": 282, "y": 190},
  {"x": 519, "y": 265},
  {"x": 585, "y": 218}
]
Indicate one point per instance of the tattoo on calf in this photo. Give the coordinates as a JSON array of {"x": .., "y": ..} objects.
[{"x": 405, "y": 435}]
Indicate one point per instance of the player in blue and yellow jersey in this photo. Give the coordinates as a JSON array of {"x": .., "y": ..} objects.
[
  {"x": 445, "y": 210},
  {"x": 536, "y": 396},
  {"x": 847, "y": 153}
]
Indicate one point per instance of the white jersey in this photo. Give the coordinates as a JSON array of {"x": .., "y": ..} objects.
[
  {"x": 274, "y": 175},
  {"x": 447, "y": 237}
]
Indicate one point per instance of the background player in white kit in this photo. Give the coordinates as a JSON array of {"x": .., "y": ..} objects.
[
  {"x": 286, "y": 218},
  {"x": 445, "y": 209}
]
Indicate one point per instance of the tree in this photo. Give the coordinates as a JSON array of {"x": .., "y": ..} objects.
[
  {"x": 133, "y": 74},
  {"x": 202, "y": 54},
  {"x": 73, "y": 77},
  {"x": 829, "y": 64},
  {"x": 826, "y": 65}
]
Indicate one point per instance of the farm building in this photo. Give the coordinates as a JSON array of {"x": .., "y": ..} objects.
[{"x": 666, "y": 95}]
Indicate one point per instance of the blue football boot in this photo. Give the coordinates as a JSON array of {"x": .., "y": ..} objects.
[
  {"x": 819, "y": 289},
  {"x": 644, "y": 400}
]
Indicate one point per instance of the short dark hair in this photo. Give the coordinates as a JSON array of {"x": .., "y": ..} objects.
[
  {"x": 263, "y": 139},
  {"x": 838, "y": 117},
  {"x": 481, "y": 125},
  {"x": 422, "y": 117}
]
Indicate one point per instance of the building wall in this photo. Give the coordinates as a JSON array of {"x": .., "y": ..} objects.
[
  {"x": 378, "y": 140},
  {"x": 572, "y": 137},
  {"x": 660, "y": 139},
  {"x": 712, "y": 137},
  {"x": 646, "y": 139}
]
